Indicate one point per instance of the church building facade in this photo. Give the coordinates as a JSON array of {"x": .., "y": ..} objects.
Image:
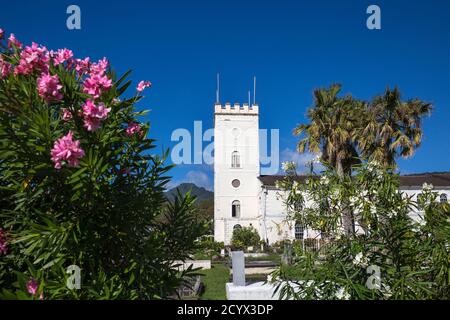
[{"x": 243, "y": 197}]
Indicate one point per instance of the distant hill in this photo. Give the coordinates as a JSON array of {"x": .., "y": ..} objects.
[{"x": 201, "y": 193}]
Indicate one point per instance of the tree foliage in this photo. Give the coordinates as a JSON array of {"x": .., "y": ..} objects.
[
  {"x": 412, "y": 255},
  {"x": 345, "y": 129},
  {"x": 244, "y": 237},
  {"x": 102, "y": 208}
]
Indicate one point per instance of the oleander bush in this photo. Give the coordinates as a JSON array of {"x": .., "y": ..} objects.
[
  {"x": 390, "y": 255},
  {"x": 81, "y": 184}
]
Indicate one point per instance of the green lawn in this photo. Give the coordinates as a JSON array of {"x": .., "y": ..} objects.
[{"x": 214, "y": 280}]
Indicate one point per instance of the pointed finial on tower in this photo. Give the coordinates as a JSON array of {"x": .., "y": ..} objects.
[
  {"x": 218, "y": 89},
  {"x": 254, "y": 89}
]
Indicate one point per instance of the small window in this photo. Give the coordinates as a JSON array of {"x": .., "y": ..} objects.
[
  {"x": 237, "y": 227},
  {"x": 236, "y": 209},
  {"x": 299, "y": 231},
  {"x": 443, "y": 198},
  {"x": 235, "y": 160}
]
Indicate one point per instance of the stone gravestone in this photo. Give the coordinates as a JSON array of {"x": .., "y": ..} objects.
[
  {"x": 238, "y": 265},
  {"x": 286, "y": 257}
]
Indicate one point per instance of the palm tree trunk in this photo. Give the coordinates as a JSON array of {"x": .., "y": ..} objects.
[{"x": 348, "y": 220}]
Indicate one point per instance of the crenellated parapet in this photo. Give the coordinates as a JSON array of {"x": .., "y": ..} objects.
[{"x": 236, "y": 108}]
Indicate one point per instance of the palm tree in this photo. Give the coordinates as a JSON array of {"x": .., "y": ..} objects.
[
  {"x": 393, "y": 127},
  {"x": 332, "y": 129}
]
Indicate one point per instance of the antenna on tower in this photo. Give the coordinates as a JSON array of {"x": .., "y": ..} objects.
[
  {"x": 218, "y": 89},
  {"x": 249, "y": 101},
  {"x": 254, "y": 89}
]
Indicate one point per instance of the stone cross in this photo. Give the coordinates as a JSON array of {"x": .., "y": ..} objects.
[{"x": 238, "y": 265}]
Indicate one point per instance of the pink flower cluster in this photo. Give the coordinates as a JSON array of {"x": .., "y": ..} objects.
[
  {"x": 82, "y": 66},
  {"x": 133, "y": 128},
  {"x": 33, "y": 58},
  {"x": 142, "y": 85},
  {"x": 67, "y": 115},
  {"x": 94, "y": 114},
  {"x": 48, "y": 87},
  {"x": 5, "y": 68},
  {"x": 61, "y": 56},
  {"x": 13, "y": 41},
  {"x": 98, "y": 81},
  {"x": 67, "y": 150},
  {"x": 3, "y": 244},
  {"x": 32, "y": 286}
]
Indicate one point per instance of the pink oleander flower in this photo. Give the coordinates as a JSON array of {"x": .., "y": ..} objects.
[
  {"x": 61, "y": 56},
  {"x": 82, "y": 66},
  {"x": 96, "y": 84},
  {"x": 98, "y": 81},
  {"x": 32, "y": 286},
  {"x": 13, "y": 41},
  {"x": 94, "y": 114},
  {"x": 142, "y": 85},
  {"x": 133, "y": 128},
  {"x": 33, "y": 58},
  {"x": 67, "y": 115},
  {"x": 2, "y": 33},
  {"x": 48, "y": 87},
  {"x": 3, "y": 243},
  {"x": 68, "y": 150},
  {"x": 5, "y": 68},
  {"x": 99, "y": 67}
]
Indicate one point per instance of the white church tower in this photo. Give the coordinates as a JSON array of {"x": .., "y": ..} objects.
[{"x": 236, "y": 169}]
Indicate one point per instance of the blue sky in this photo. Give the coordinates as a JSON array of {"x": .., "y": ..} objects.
[{"x": 291, "y": 46}]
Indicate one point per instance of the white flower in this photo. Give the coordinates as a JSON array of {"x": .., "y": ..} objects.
[
  {"x": 342, "y": 294},
  {"x": 324, "y": 180},
  {"x": 427, "y": 187},
  {"x": 360, "y": 260}
]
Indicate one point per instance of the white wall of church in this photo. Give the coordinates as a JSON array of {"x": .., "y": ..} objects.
[{"x": 275, "y": 219}]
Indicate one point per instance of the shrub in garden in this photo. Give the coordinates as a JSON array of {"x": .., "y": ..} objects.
[
  {"x": 208, "y": 246},
  {"x": 411, "y": 256},
  {"x": 244, "y": 237},
  {"x": 79, "y": 184}
]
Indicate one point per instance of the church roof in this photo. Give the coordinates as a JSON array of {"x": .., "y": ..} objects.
[{"x": 437, "y": 179}]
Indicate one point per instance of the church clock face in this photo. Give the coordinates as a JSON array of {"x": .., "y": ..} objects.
[{"x": 235, "y": 183}]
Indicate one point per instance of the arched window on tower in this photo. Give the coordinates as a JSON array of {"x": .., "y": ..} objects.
[
  {"x": 236, "y": 209},
  {"x": 235, "y": 160}
]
